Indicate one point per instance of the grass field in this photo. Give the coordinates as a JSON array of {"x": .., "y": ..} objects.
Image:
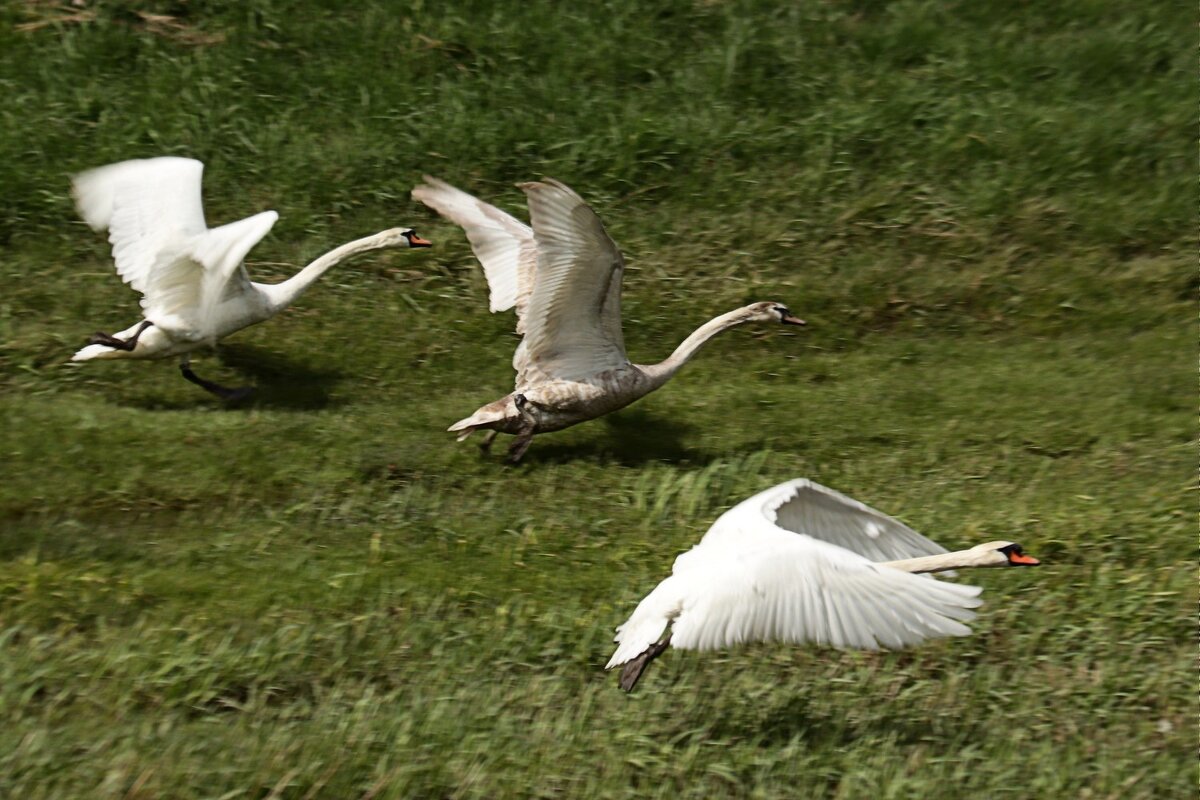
[{"x": 986, "y": 212}]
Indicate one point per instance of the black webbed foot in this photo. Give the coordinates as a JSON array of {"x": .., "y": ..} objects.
[
  {"x": 108, "y": 340},
  {"x": 229, "y": 395}
]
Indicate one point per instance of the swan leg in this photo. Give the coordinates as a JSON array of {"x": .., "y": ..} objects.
[
  {"x": 486, "y": 445},
  {"x": 108, "y": 340},
  {"x": 634, "y": 669},
  {"x": 518, "y": 448},
  {"x": 223, "y": 392},
  {"x": 525, "y": 434}
]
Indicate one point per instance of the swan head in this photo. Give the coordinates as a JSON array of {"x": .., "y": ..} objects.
[
  {"x": 402, "y": 237},
  {"x": 412, "y": 240},
  {"x": 769, "y": 311},
  {"x": 1002, "y": 554}
]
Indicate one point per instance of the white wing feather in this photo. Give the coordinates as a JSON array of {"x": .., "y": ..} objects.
[
  {"x": 147, "y": 205},
  {"x": 504, "y": 246},
  {"x": 808, "y": 591},
  {"x": 794, "y": 589},
  {"x": 161, "y": 245},
  {"x": 573, "y": 322}
]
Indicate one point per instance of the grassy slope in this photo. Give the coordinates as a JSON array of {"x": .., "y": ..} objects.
[{"x": 985, "y": 213}]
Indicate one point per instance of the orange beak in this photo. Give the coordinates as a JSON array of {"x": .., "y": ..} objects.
[
  {"x": 417, "y": 241},
  {"x": 790, "y": 320},
  {"x": 1022, "y": 560}
]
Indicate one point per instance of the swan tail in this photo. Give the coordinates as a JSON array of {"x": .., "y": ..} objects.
[
  {"x": 648, "y": 623},
  {"x": 94, "y": 351},
  {"x": 486, "y": 417}
]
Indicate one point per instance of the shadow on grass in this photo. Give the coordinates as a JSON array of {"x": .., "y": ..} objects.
[
  {"x": 629, "y": 438},
  {"x": 795, "y": 718},
  {"x": 279, "y": 383}
]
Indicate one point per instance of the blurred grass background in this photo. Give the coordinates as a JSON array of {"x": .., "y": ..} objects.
[{"x": 986, "y": 211}]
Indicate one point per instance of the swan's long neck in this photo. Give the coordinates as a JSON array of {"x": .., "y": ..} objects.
[
  {"x": 281, "y": 295},
  {"x": 688, "y": 347},
  {"x": 959, "y": 559}
]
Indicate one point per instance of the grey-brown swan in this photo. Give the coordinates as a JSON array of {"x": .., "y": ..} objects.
[{"x": 563, "y": 274}]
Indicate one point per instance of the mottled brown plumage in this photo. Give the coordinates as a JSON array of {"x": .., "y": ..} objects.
[{"x": 563, "y": 275}]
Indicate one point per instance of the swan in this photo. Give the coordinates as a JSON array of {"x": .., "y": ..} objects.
[
  {"x": 803, "y": 563},
  {"x": 194, "y": 286},
  {"x": 564, "y": 277}
]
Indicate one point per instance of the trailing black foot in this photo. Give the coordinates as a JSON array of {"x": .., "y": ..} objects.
[
  {"x": 634, "y": 669},
  {"x": 485, "y": 446},
  {"x": 224, "y": 392},
  {"x": 108, "y": 340}
]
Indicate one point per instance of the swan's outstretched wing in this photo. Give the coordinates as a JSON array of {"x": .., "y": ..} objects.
[
  {"x": 573, "y": 322},
  {"x": 147, "y": 205},
  {"x": 789, "y": 588},
  {"x": 161, "y": 244},
  {"x": 504, "y": 246},
  {"x": 805, "y": 507}
]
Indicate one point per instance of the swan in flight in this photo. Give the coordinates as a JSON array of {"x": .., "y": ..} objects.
[
  {"x": 564, "y": 277},
  {"x": 803, "y": 563},
  {"x": 194, "y": 286}
]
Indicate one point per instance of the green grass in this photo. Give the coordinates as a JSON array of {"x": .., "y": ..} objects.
[{"x": 986, "y": 213}]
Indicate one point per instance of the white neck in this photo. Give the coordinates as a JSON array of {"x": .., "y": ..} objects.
[
  {"x": 281, "y": 295},
  {"x": 688, "y": 347},
  {"x": 979, "y": 556}
]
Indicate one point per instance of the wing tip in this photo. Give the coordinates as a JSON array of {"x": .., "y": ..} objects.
[{"x": 94, "y": 190}]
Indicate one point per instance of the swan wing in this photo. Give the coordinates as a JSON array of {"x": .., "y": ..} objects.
[
  {"x": 573, "y": 321},
  {"x": 798, "y": 589},
  {"x": 188, "y": 282},
  {"x": 149, "y": 207},
  {"x": 504, "y": 245},
  {"x": 161, "y": 244},
  {"x": 222, "y": 252},
  {"x": 805, "y": 507}
]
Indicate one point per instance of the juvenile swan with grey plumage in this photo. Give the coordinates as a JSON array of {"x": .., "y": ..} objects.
[
  {"x": 194, "y": 286},
  {"x": 563, "y": 274},
  {"x": 803, "y": 563}
]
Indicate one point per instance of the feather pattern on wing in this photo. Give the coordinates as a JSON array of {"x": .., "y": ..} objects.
[
  {"x": 778, "y": 587},
  {"x": 144, "y": 204},
  {"x": 573, "y": 321},
  {"x": 804, "y": 590},
  {"x": 504, "y": 245}
]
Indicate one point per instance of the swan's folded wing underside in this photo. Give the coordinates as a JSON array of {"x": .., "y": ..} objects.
[
  {"x": 186, "y": 284},
  {"x": 806, "y": 507},
  {"x": 573, "y": 322},
  {"x": 504, "y": 246},
  {"x": 802, "y": 590}
]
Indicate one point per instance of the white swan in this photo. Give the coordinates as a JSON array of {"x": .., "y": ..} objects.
[
  {"x": 564, "y": 277},
  {"x": 803, "y": 563},
  {"x": 194, "y": 287}
]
